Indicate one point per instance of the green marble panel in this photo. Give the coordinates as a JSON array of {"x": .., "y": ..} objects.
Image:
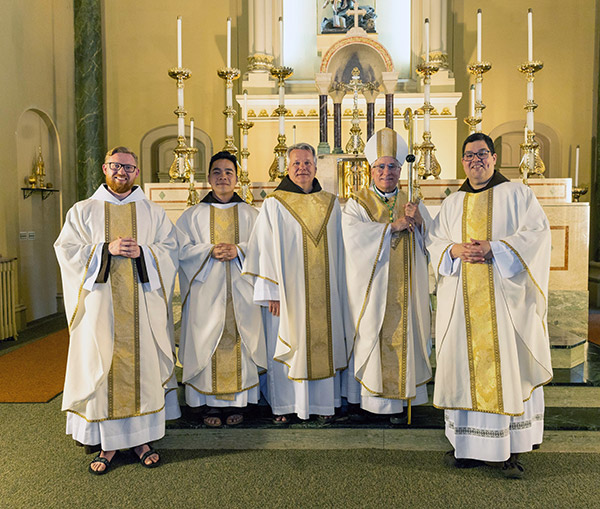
[
  {"x": 89, "y": 104},
  {"x": 568, "y": 311}
]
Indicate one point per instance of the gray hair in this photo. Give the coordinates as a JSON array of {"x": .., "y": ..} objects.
[
  {"x": 301, "y": 146},
  {"x": 121, "y": 150}
]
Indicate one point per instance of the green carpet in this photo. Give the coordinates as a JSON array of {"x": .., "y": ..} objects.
[{"x": 40, "y": 467}]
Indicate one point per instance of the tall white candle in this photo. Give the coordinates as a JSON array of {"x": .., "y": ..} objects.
[
  {"x": 576, "y": 165},
  {"x": 479, "y": 35},
  {"x": 294, "y": 135},
  {"x": 530, "y": 35},
  {"x": 281, "y": 41},
  {"x": 228, "y": 42},
  {"x": 245, "y": 105},
  {"x": 180, "y": 97},
  {"x": 426, "y": 39},
  {"x": 179, "y": 44},
  {"x": 229, "y": 123},
  {"x": 472, "y": 101},
  {"x": 282, "y": 105}
]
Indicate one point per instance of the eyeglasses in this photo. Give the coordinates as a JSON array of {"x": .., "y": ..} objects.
[
  {"x": 482, "y": 154},
  {"x": 129, "y": 168},
  {"x": 381, "y": 167}
]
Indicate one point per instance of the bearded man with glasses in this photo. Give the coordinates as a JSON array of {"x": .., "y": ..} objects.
[
  {"x": 490, "y": 249},
  {"x": 386, "y": 270},
  {"x": 118, "y": 257}
]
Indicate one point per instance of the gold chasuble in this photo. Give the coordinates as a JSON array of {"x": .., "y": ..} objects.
[
  {"x": 226, "y": 362},
  {"x": 393, "y": 334},
  {"x": 312, "y": 211},
  {"x": 124, "y": 374},
  {"x": 480, "y": 309}
]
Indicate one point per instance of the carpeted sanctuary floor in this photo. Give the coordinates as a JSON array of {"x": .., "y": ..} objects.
[{"x": 41, "y": 467}]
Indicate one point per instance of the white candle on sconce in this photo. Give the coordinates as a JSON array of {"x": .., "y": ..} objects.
[
  {"x": 530, "y": 35},
  {"x": 427, "y": 40},
  {"x": 245, "y": 115},
  {"x": 179, "y": 44},
  {"x": 281, "y": 41},
  {"x": 479, "y": 35},
  {"x": 577, "y": 166},
  {"x": 472, "y": 101},
  {"x": 228, "y": 42}
]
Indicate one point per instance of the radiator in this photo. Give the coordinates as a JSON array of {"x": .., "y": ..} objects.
[{"x": 8, "y": 296}]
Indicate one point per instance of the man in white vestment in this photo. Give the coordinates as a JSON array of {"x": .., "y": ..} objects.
[
  {"x": 490, "y": 248},
  {"x": 222, "y": 346},
  {"x": 388, "y": 290},
  {"x": 295, "y": 259},
  {"x": 118, "y": 257}
]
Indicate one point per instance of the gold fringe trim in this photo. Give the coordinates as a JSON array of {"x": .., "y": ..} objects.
[{"x": 87, "y": 266}]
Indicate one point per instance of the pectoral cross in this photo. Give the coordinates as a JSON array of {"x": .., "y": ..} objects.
[{"x": 356, "y": 11}]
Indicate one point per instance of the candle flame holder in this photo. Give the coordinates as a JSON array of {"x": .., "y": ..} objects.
[
  {"x": 229, "y": 74},
  {"x": 477, "y": 69},
  {"x": 180, "y": 167},
  {"x": 244, "y": 180},
  {"x": 428, "y": 165},
  {"x": 277, "y": 169}
]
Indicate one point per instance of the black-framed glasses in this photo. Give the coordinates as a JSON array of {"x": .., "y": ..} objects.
[
  {"x": 482, "y": 154},
  {"x": 129, "y": 168}
]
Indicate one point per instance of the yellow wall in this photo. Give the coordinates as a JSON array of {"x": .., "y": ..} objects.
[
  {"x": 140, "y": 46},
  {"x": 563, "y": 39}
]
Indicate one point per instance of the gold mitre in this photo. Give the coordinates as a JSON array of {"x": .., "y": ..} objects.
[{"x": 386, "y": 143}]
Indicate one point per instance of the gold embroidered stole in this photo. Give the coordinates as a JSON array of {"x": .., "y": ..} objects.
[
  {"x": 393, "y": 334},
  {"x": 227, "y": 359},
  {"x": 124, "y": 375},
  {"x": 480, "y": 309},
  {"x": 312, "y": 211}
]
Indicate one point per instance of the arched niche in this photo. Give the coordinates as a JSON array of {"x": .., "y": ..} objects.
[
  {"x": 371, "y": 58},
  {"x": 156, "y": 154},
  {"x": 39, "y": 220},
  {"x": 508, "y": 138}
]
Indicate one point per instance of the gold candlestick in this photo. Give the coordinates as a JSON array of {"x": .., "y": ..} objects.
[
  {"x": 180, "y": 167},
  {"x": 275, "y": 171},
  {"x": 531, "y": 163},
  {"x": 427, "y": 148},
  {"x": 478, "y": 69},
  {"x": 244, "y": 179},
  {"x": 578, "y": 192},
  {"x": 229, "y": 74}
]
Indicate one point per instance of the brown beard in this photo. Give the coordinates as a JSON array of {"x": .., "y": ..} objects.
[{"x": 117, "y": 187}]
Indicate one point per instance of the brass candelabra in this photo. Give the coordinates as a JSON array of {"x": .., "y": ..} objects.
[
  {"x": 229, "y": 74},
  {"x": 180, "y": 169},
  {"x": 244, "y": 180},
  {"x": 277, "y": 169},
  {"x": 428, "y": 165},
  {"x": 477, "y": 69},
  {"x": 531, "y": 162}
]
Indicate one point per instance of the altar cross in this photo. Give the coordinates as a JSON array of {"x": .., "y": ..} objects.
[{"x": 356, "y": 11}]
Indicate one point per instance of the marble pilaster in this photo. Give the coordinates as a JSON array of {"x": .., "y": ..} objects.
[
  {"x": 91, "y": 145},
  {"x": 323, "y": 82},
  {"x": 390, "y": 79},
  {"x": 370, "y": 97}
]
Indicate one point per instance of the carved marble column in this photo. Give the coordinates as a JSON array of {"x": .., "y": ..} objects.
[
  {"x": 390, "y": 79},
  {"x": 323, "y": 82},
  {"x": 337, "y": 94},
  {"x": 89, "y": 107},
  {"x": 371, "y": 94},
  {"x": 260, "y": 33}
]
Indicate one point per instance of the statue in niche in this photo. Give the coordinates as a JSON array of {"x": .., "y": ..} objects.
[{"x": 341, "y": 20}]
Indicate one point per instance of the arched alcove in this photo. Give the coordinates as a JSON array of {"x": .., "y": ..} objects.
[
  {"x": 156, "y": 153},
  {"x": 508, "y": 138},
  {"x": 39, "y": 219}
]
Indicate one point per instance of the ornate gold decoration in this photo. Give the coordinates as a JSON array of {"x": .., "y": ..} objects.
[
  {"x": 531, "y": 162},
  {"x": 313, "y": 113},
  {"x": 229, "y": 74},
  {"x": 414, "y": 188},
  {"x": 381, "y": 112},
  {"x": 355, "y": 144},
  {"x": 428, "y": 165},
  {"x": 477, "y": 69},
  {"x": 244, "y": 180},
  {"x": 578, "y": 192},
  {"x": 251, "y": 113},
  {"x": 180, "y": 169},
  {"x": 300, "y": 113},
  {"x": 263, "y": 113},
  {"x": 355, "y": 175},
  {"x": 260, "y": 62},
  {"x": 439, "y": 58},
  {"x": 281, "y": 73},
  {"x": 446, "y": 111}
]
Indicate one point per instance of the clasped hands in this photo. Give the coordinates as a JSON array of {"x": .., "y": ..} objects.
[
  {"x": 410, "y": 220},
  {"x": 476, "y": 251},
  {"x": 124, "y": 246},
  {"x": 224, "y": 252}
]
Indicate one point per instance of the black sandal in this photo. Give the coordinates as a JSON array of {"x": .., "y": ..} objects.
[
  {"x": 145, "y": 456},
  {"x": 213, "y": 413},
  {"x": 104, "y": 461}
]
